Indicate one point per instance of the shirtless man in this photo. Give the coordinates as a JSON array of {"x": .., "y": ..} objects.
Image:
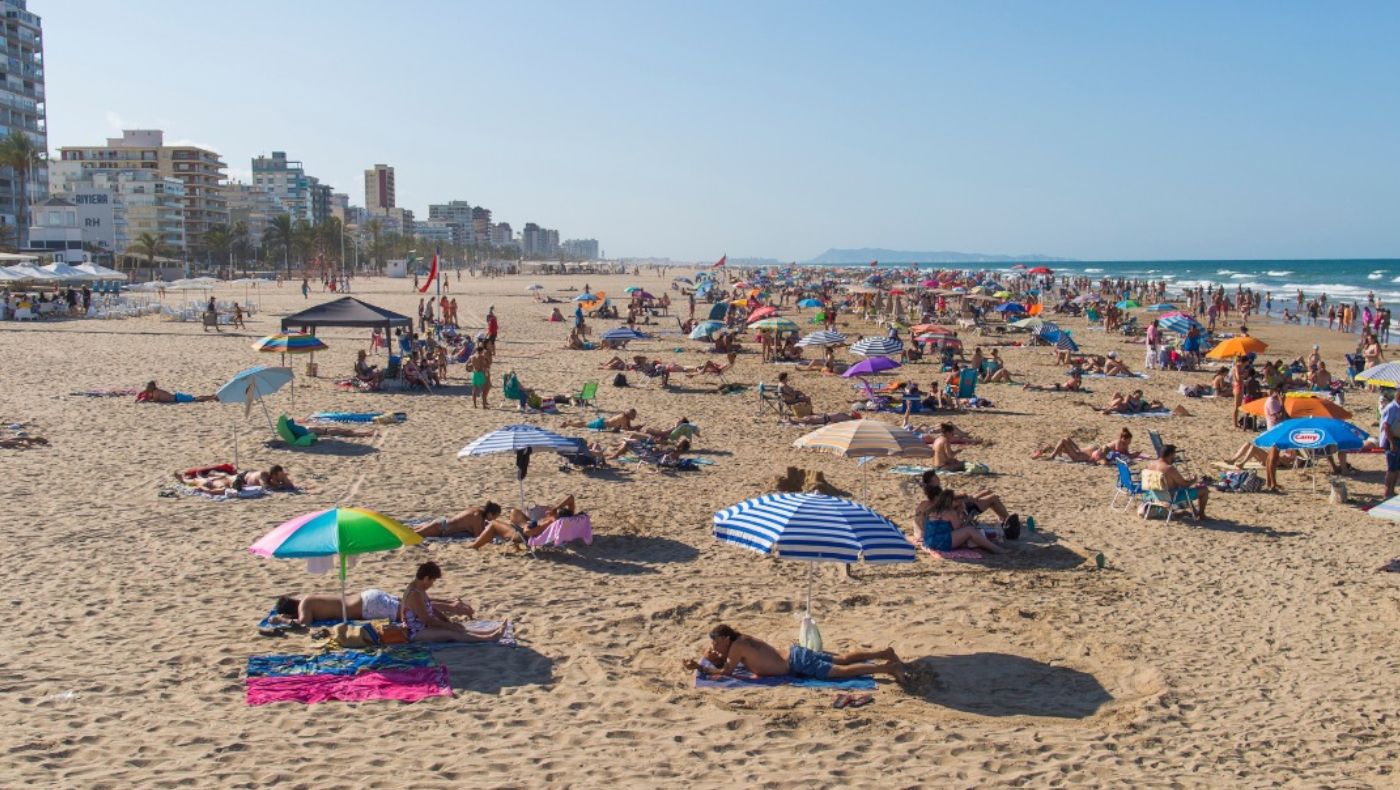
[
  {"x": 944, "y": 456},
  {"x": 729, "y": 649},
  {"x": 519, "y": 527},
  {"x": 154, "y": 394},
  {"x": 1173, "y": 481},
  {"x": 372, "y": 604},
  {"x": 274, "y": 479},
  {"x": 622, "y": 421},
  {"x": 471, "y": 521}
]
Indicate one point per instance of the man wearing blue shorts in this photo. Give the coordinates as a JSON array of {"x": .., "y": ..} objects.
[
  {"x": 1390, "y": 439},
  {"x": 729, "y": 649}
]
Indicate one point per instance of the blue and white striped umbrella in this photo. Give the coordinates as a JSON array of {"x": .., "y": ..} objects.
[
  {"x": 1066, "y": 343},
  {"x": 1388, "y": 510},
  {"x": 877, "y": 346},
  {"x": 1180, "y": 324},
  {"x": 515, "y": 437},
  {"x": 822, "y": 338},
  {"x": 704, "y": 329},
  {"x": 814, "y": 528},
  {"x": 623, "y": 334}
]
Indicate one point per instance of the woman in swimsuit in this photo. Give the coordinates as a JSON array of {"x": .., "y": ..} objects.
[
  {"x": 371, "y": 604},
  {"x": 428, "y": 623},
  {"x": 940, "y": 521},
  {"x": 519, "y": 528},
  {"x": 1098, "y": 455}
]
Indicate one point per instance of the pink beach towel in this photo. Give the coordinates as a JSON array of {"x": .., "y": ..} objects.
[
  {"x": 563, "y": 530},
  {"x": 957, "y": 555},
  {"x": 405, "y": 685}
]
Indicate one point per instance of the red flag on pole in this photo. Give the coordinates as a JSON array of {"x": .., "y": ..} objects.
[
  {"x": 720, "y": 263},
  {"x": 432, "y": 275}
]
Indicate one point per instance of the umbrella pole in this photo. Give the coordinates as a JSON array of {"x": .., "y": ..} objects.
[
  {"x": 263, "y": 404},
  {"x": 811, "y": 571},
  {"x": 235, "y": 445},
  {"x": 344, "y": 610},
  {"x": 522, "y": 496}
]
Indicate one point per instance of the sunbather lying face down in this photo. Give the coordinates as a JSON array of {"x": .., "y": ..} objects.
[
  {"x": 471, "y": 521},
  {"x": 622, "y": 421},
  {"x": 729, "y": 648},
  {"x": 217, "y": 482},
  {"x": 371, "y": 604},
  {"x": 154, "y": 394}
]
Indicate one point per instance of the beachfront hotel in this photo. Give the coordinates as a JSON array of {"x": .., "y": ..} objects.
[
  {"x": 114, "y": 207},
  {"x": 379, "y": 188},
  {"x": 198, "y": 169},
  {"x": 22, "y": 103}
]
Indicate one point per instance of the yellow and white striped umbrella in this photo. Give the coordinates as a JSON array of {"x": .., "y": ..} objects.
[
  {"x": 864, "y": 439},
  {"x": 1386, "y": 374}
]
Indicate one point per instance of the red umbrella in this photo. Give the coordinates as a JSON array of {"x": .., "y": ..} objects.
[
  {"x": 762, "y": 313},
  {"x": 1040, "y": 270}
]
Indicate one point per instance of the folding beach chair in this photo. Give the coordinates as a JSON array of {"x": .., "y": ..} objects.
[
  {"x": 769, "y": 398},
  {"x": 1156, "y": 498},
  {"x": 587, "y": 394},
  {"x": 1126, "y": 485}
]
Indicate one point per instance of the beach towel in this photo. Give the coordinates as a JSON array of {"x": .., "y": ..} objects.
[
  {"x": 1154, "y": 413},
  {"x": 1119, "y": 376},
  {"x": 341, "y": 662},
  {"x": 404, "y": 685},
  {"x": 176, "y": 489},
  {"x": 106, "y": 393},
  {"x": 508, "y": 639},
  {"x": 563, "y": 530},
  {"x": 1392, "y": 567},
  {"x": 956, "y": 555},
  {"x": 743, "y": 678},
  {"x": 357, "y": 417}
]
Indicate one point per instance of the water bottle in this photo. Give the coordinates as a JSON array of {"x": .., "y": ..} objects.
[
  {"x": 1030, "y": 524},
  {"x": 1100, "y": 561}
]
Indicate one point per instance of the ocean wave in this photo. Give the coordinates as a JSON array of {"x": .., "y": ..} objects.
[
  {"x": 1283, "y": 273},
  {"x": 1396, "y": 280},
  {"x": 1226, "y": 272},
  {"x": 1239, "y": 276},
  {"x": 1333, "y": 290},
  {"x": 1093, "y": 271},
  {"x": 1377, "y": 276}
]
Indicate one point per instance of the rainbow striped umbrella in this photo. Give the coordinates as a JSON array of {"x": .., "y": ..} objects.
[
  {"x": 775, "y": 324},
  {"x": 338, "y": 532},
  {"x": 290, "y": 343}
]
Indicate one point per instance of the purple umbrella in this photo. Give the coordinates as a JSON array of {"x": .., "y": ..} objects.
[{"x": 869, "y": 366}]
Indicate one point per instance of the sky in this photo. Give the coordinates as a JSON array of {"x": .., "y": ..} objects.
[{"x": 1092, "y": 130}]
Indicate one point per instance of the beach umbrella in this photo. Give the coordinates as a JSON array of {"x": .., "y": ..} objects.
[
  {"x": 1040, "y": 270},
  {"x": 685, "y": 280},
  {"x": 1238, "y": 347},
  {"x": 534, "y": 287},
  {"x": 1066, "y": 343},
  {"x": 1312, "y": 433},
  {"x": 864, "y": 439},
  {"x": 1002, "y": 294},
  {"x": 704, "y": 329},
  {"x": 810, "y": 303},
  {"x": 870, "y": 366},
  {"x": 290, "y": 343},
  {"x": 643, "y": 295},
  {"x": 761, "y": 313},
  {"x": 877, "y": 346},
  {"x": 249, "y": 385},
  {"x": 1300, "y": 404},
  {"x": 622, "y": 335},
  {"x": 1180, "y": 324},
  {"x": 520, "y": 439},
  {"x": 585, "y": 298},
  {"x": 1386, "y": 374},
  {"x": 1010, "y": 307},
  {"x": 1033, "y": 324},
  {"x": 1127, "y": 304},
  {"x": 812, "y": 528},
  {"x": 339, "y": 532},
  {"x": 822, "y": 339},
  {"x": 631, "y": 289},
  {"x": 775, "y": 324},
  {"x": 1161, "y": 307}
]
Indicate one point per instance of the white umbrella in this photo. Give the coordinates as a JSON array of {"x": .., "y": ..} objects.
[
  {"x": 29, "y": 271},
  {"x": 64, "y": 271},
  {"x": 249, "y": 385},
  {"x": 101, "y": 272}
]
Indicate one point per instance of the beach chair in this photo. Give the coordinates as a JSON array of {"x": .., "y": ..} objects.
[
  {"x": 967, "y": 384},
  {"x": 587, "y": 394},
  {"x": 1154, "y": 497},
  {"x": 872, "y": 397},
  {"x": 294, "y": 435},
  {"x": 769, "y": 397},
  {"x": 1126, "y": 486}
]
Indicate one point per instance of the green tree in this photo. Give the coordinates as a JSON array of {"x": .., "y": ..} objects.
[
  {"x": 19, "y": 153},
  {"x": 218, "y": 240},
  {"x": 7, "y": 238},
  {"x": 376, "y": 243},
  {"x": 303, "y": 241},
  {"x": 148, "y": 246},
  {"x": 279, "y": 236},
  {"x": 242, "y": 244}
]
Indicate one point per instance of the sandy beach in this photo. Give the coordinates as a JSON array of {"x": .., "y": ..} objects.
[{"x": 1255, "y": 649}]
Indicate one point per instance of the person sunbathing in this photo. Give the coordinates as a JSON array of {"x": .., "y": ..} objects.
[
  {"x": 426, "y": 623},
  {"x": 712, "y": 368},
  {"x": 1099, "y": 454},
  {"x": 575, "y": 342},
  {"x": 1075, "y": 383},
  {"x": 371, "y": 604},
  {"x": 1133, "y": 403},
  {"x": 23, "y": 442},
  {"x": 365, "y": 372},
  {"x": 1169, "y": 481},
  {"x": 556, "y": 316},
  {"x": 219, "y": 482},
  {"x": 998, "y": 374},
  {"x": 1113, "y": 366},
  {"x": 154, "y": 394},
  {"x": 331, "y": 430},
  {"x": 790, "y": 394},
  {"x": 683, "y": 428},
  {"x": 518, "y": 527},
  {"x": 471, "y": 521},
  {"x": 975, "y": 504},
  {"x": 820, "y": 419},
  {"x": 622, "y": 421},
  {"x": 615, "y": 363},
  {"x": 729, "y": 649}
]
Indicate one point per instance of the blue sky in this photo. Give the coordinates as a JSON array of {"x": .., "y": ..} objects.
[{"x": 1091, "y": 130}]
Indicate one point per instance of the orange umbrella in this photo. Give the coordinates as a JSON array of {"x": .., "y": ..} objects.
[
  {"x": 1301, "y": 404},
  {"x": 1238, "y": 347},
  {"x": 930, "y": 329}
]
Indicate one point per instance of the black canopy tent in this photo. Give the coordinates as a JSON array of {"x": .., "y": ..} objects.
[{"x": 347, "y": 311}]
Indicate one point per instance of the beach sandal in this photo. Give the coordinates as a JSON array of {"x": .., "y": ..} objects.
[
  {"x": 841, "y": 701},
  {"x": 860, "y": 700},
  {"x": 271, "y": 631}
]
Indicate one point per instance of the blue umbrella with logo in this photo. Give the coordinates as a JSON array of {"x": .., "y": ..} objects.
[{"x": 1313, "y": 433}]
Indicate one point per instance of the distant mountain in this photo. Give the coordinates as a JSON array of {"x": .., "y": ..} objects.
[{"x": 868, "y": 254}]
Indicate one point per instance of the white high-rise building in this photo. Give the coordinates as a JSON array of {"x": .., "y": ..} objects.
[{"x": 22, "y": 109}]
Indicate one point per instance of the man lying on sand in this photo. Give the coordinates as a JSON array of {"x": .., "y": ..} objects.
[
  {"x": 218, "y": 482},
  {"x": 1075, "y": 383},
  {"x": 729, "y": 649},
  {"x": 471, "y": 521},
  {"x": 519, "y": 527},
  {"x": 332, "y": 430},
  {"x": 154, "y": 394},
  {"x": 622, "y": 421},
  {"x": 371, "y": 604}
]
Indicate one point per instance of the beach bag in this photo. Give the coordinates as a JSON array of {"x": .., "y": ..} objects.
[
  {"x": 808, "y": 635},
  {"x": 619, "y": 380}
]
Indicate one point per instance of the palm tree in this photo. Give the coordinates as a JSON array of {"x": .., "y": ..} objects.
[
  {"x": 148, "y": 245},
  {"x": 7, "y": 238},
  {"x": 280, "y": 235},
  {"x": 19, "y": 153},
  {"x": 219, "y": 241},
  {"x": 241, "y": 243},
  {"x": 303, "y": 241},
  {"x": 376, "y": 243}
]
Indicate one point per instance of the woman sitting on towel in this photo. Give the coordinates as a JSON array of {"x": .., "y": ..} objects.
[
  {"x": 426, "y": 622},
  {"x": 519, "y": 527},
  {"x": 1133, "y": 403},
  {"x": 372, "y": 604},
  {"x": 940, "y": 520}
]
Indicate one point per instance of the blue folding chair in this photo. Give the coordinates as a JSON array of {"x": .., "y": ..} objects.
[{"x": 1125, "y": 486}]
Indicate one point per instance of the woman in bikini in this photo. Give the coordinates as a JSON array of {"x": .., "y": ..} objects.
[
  {"x": 940, "y": 521},
  {"x": 428, "y": 623},
  {"x": 1100, "y": 454},
  {"x": 519, "y": 527}
]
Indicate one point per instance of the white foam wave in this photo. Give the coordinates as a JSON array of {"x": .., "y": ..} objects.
[
  {"x": 1377, "y": 276},
  {"x": 1283, "y": 273},
  {"x": 1396, "y": 280},
  {"x": 1093, "y": 271},
  {"x": 1239, "y": 276},
  {"x": 1225, "y": 272}
]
